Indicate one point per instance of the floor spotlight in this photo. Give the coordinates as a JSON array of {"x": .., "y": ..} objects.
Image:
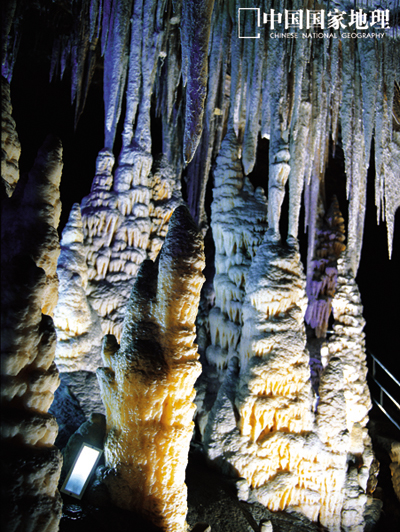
[{"x": 81, "y": 471}]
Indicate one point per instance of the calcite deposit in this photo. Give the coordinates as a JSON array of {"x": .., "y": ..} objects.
[
  {"x": 274, "y": 389},
  {"x": 77, "y": 324},
  {"x": 322, "y": 270},
  {"x": 344, "y": 396},
  {"x": 30, "y": 463},
  {"x": 395, "y": 467},
  {"x": 147, "y": 382},
  {"x": 195, "y": 101},
  {"x": 263, "y": 426},
  {"x": 125, "y": 220},
  {"x": 10, "y": 145},
  {"x": 346, "y": 348},
  {"x": 238, "y": 221}
]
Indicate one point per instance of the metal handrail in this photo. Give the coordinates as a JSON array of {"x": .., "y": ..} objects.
[
  {"x": 382, "y": 391},
  {"x": 385, "y": 369}
]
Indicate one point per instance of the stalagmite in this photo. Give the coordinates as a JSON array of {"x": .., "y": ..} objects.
[
  {"x": 274, "y": 392},
  {"x": 238, "y": 223},
  {"x": 262, "y": 426},
  {"x": 271, "y": 445},
  {"x": 342, "y": 414},
  {"x": 323, "y": 269},
  {"x": 125, "y": 219},
  {"x": 31, "y": 464},
  {"x": 77, "y": 324},
  {"x": 147, "y": 384},
  {"x": 348, "y": 344},
  {"x": 10, "y": 145}
]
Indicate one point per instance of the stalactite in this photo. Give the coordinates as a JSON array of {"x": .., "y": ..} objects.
[
  {"x": 147, "y": 384},
  {"x": 195, "y": 33},
  {"x": 169, "y": 105},
  {"x": 354, "y": 151},
  {"x": 31, "y": 464},
  {"x": 289, "y": 90},
  {"x": 115, "y": 66},
  {"x": 214, "y": 117},
  {"x": 134, "y": 73},
  {"x": 279, "y": 135}
]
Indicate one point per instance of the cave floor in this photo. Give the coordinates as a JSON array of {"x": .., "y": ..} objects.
[{"x": 212, "y": 500}]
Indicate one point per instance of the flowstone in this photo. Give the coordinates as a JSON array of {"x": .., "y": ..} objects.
[{"x": 147, "y": 385}]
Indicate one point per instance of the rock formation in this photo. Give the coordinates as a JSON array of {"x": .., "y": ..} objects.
[
  {"x": 10, "y": 145},
  {"x": 125, "y": 220},
  {"x": 147, "y": 384},
  {"x": 321, "y": 279},
  {"x": 79, "y": 335},
  {"x": 395, "y": 467},
  {"x": 238, "y": 221},
  {"x": 262, "y": 427},
  {"x": 188, "y": 73},
  {"x": 344, "y": 397},
  {"x": 30, "y": 463},
  {"x": 77, "y": 324}
]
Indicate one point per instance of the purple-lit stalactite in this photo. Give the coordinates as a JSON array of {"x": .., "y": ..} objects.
[
  {"x": 297, "y": 95},
  {"x": 214, "y": 118},
  {"x": 152, "y": 37},
  {"x": 195, "y": 33},
  {"x": 115, "y": 66},
  {"x": 134, "y": 72},
  {"x": 84, "y": 52},
  {"x": 321, "y": 283}
]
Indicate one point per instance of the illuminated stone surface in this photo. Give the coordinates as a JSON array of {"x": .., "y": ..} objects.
[
  {"x": 298, "y": 93},
  {"x": 30, "y": 463},
  {"x": 125, "y": 220},
  {"x": 262, "y": 427},
  {"x": 77, "y": 324},
  {"x": 322, "y": 271},
  {"x": 238, "y": 223},
  {"x": 147, "y": 384},
  {"x": 10, "y": 145},
  {"x": 395, "y": 467}
]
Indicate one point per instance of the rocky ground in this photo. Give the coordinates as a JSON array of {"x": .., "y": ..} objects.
[{"x": 213, "y": 503}]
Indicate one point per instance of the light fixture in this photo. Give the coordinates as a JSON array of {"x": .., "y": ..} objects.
[{"x": 81, "y": 471}]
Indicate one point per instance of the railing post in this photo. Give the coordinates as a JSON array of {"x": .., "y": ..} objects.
[{"x": 378, "y": 397}]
